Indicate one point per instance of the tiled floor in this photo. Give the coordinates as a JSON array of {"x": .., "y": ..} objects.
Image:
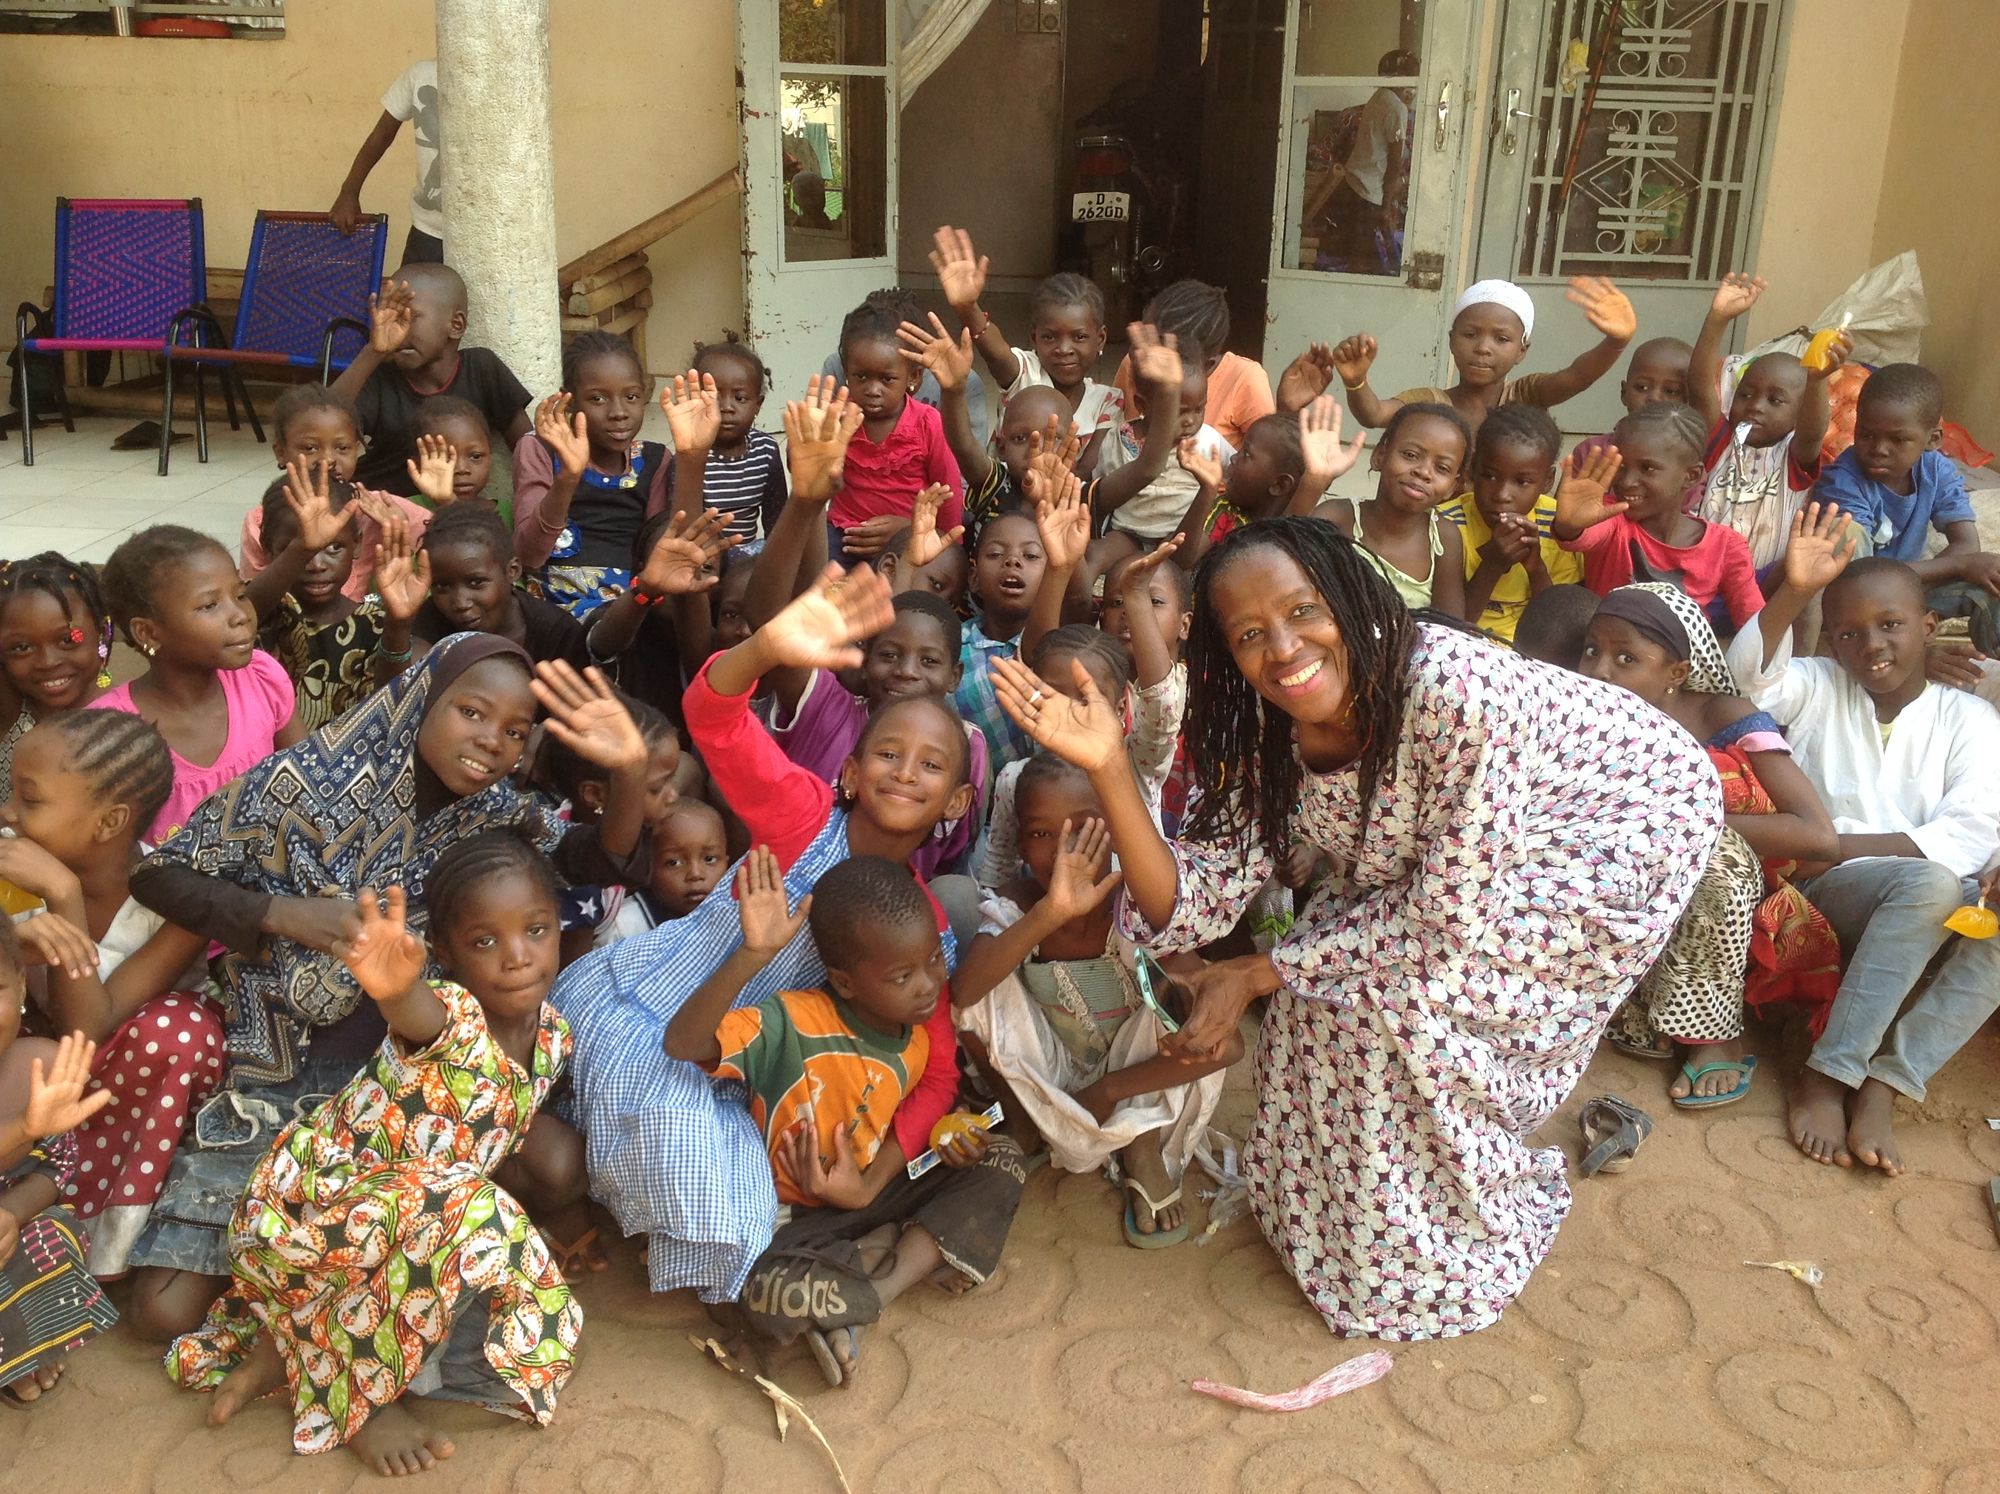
[{"x": 81, "y": 497}]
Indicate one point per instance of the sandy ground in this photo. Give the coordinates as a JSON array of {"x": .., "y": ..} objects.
[{"x": 1643, "y": 1357}]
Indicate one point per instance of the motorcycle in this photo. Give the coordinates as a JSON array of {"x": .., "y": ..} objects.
[{"x": 1131, "y": 216}]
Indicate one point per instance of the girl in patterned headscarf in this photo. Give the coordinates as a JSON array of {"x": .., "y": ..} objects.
[{"x": 1749, "y": 936}]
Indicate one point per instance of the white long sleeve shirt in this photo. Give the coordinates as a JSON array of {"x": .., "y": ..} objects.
[{"x": 1936, "y": 779}]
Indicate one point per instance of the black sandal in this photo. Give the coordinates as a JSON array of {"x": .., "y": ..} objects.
[{"x": 1614, "y": 1129}]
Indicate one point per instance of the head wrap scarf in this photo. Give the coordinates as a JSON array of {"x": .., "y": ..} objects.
[
  {"x": 1672, "y": 618},
  {"x": 1499, "y": 293},
  {"x": 324, "y": 818}
]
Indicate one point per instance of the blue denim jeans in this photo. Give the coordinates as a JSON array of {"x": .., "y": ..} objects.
[{"x": 1889, "y": 912}]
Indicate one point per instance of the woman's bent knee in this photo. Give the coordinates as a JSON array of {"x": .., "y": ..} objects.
[{"x": 167, "y": 1303}]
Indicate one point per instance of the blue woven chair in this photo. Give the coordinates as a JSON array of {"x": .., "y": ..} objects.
[
  {"x": 126, "y": 269},
  {"x": 305, "y": 288}
]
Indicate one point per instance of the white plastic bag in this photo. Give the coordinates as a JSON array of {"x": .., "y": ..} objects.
[{"x": 1887, "y": 315}]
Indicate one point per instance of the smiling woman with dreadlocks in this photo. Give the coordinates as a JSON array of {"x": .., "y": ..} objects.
[{"x": 1511, "y": 846}]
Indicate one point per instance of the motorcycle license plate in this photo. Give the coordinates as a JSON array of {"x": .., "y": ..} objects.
[{"x": 1100, "y": 207}]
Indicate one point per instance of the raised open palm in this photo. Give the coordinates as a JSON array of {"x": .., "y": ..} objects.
[
  {"x": 819, "y": 628},
  {"x": 763, "y": 906},
  {"x": 1823, "y": 542},
  {"x": 818, "y": 429},
  {"x": 309, "y": 495},
  {"x": 1085, "y": 732},
  {"x": 586, "y": 715},
  {"x": 564, "y": 433},
  {"x": 1605, "y": 306},
  {"x": 384, "y": 957},
  {"x": 932, "y": 348},
  {"x": 693, "y": 416},
  {"x": 1353, "y": 357},
  {"x": 402, "y": 571},
  {"x": 1319, "y": 441},
  {"x": 1074, "y": 884},
  {"x": 961, "y": 271},
  {"x": 690, "y": 543},
  {"x": 925, "y": 543},
  {"x": 56, "y": 1102}
]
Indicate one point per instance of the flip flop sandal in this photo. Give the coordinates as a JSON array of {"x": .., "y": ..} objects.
[
  {"x": 1159, "y": 1239},
  {"x": 13, "y": 1400},
  {"x": 1660, "y": 1053},
  {"x": 1743, "y": 1068},
  {"x": 1614, "y": 1129},
  {"x": 828, "y": 1361},
  {"x": 573, "y": 1259}
]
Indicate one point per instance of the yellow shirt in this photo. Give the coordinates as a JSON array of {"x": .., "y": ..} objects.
[{"x": 1510, "y": 592}]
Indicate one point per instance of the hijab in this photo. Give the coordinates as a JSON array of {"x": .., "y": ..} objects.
[
  {"x": 1672, "y": 619},
  {"x": 325, "y": 818}
]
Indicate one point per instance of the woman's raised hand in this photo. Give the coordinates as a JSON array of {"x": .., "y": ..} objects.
[
  {"x": 1085, "y": 732},
  {"x": 820, "y": 628},
  {"x": 925, "y": 543},
  {"x": 691, "y": 541},
  {"x": 1319, "y": 442},
  {"x": 948, "y": 362},
  {"x": 769, "y": 921},
  {"x": 1823, "y": 542},
  {"x": 56, "y": 1101},
  {"x": 693, "y": 416},
  {"x": 309, "y": 495},
  {"x": 586, "y": 715},
  {"x": 818, "y": 429},
  {"x": 563, "y": 432},
  {"x": 1074, "y": 884},
  {"x": 383, "y": 956}
]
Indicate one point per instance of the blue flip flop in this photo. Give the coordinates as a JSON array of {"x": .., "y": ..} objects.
[
  {"x": 1743, "y": 1067},
  {"x": 1157, "y": 1239}
]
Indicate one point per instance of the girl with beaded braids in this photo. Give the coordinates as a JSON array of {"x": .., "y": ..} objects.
[
  {"x": 1510, "y": 847},
  {"x": 55, "y": 644}
]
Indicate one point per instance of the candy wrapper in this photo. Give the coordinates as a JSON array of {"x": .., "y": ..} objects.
[{"x": 925, "y": 1161}]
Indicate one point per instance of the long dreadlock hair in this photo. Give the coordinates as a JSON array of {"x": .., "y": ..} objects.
[{"x": 1245, "y": 768}]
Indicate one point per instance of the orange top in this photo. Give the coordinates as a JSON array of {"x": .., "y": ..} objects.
[{"x": 1239, "y": 394}]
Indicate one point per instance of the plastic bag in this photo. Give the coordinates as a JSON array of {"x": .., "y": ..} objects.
[{"x": 1887, "y": 315}]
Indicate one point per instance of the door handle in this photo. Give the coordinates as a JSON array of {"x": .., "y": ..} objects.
[
  {"x": 1510, "y": 137},
  {"x": 1443, "y": 114}
]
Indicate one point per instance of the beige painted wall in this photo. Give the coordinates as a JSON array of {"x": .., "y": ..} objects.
[
  {"x": 274, "y": 124},
  {"x": 1943, "y": 166},
  {"x": 1827, "y": 160}
]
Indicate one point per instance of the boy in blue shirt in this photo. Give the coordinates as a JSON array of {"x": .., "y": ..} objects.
[{"x": 1895, "y": 484}]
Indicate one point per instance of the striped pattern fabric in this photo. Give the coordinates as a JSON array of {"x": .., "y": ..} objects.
[
  {"x": 304, "y": 273},
  {"x": 124, "y": 269},
  {"x": 49, "y": 1301}
]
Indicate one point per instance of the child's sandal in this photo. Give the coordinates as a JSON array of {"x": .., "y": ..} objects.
[{"x": 1614, "y": 1129}]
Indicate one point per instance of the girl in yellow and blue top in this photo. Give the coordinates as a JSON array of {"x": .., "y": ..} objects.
[{"x": 1510, "y": 557}]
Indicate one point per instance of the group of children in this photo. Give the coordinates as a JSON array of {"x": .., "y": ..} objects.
[{"x": 661, "y": 834}]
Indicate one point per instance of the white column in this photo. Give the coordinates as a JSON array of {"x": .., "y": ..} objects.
[{"x": 499, "y": 179}]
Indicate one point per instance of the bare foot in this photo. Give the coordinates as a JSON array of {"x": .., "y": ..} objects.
[
  {"x": 256, "y": 1375},
  {"x": 1871, "y": 1136},
  {"x": 1818, "y": 1118},
  {"x": 394, "y": 1442},
  {"x": 1720, "y": 1082},
  {"x": 33, "y": 1386},
  {"x": 1145, "y": 1166},
  {"x": 846, "y": 1346}
]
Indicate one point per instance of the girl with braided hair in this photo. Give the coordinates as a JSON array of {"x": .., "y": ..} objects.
[
  {"x": 1510, "y": 847},
  {"x": 55, "y": 644}
]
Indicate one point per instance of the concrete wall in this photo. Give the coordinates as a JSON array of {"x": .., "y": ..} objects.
[
  {"x": 1941, "y": 171},
  {"x": 1838, "y": 96},
  {"x": 638, "y": 124}
]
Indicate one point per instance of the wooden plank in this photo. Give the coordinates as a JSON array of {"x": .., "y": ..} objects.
[
  {"x": 729, "y": 184},
  {"x": 611, "y": 272},
  {"x": 588, "y": 303}
]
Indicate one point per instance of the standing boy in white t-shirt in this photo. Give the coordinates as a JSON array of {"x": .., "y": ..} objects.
[{"x": 413, "y": 96}]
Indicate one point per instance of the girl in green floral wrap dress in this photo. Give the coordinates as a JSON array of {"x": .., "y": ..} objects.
[{"x": 373, "y": 1256}]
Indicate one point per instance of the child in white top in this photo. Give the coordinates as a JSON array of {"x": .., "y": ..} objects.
[{"x": 1906, "y": 769}]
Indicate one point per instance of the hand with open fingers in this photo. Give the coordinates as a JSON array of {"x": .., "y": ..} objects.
[
  {"x": 384, "y": 956},
  {"x": 1581, "y": 499},
  {"x": 1306, "y": 377},
  {"x": 1823, "y": 542},
  {"x": 434, "y": 469},
  {"x": 1082, "y": 876},
  {"x": 838, "y": 1186},
  {"x": 1062, "y": 519},
  {"x": 818, "y": 429},
  {"x": 563, "y": 432},
  {"x": 1086, "y": 732},
  {"x": 1353, "y": 357},
  {"x": 1736, "y": 294},
  {"x": 926, "y": 544},
  {"x": 820, "y": 628},
  {"x": 1203, "y": 467},
  {"x": 764, "y": 908},
  {"x": 1054, "y": 450},
  {"x": 1319, "y": 442},
  {"x": 390, "y": 312},
  {"x": 868, "y": 539},
  {"x": 690, "y": 542},
  {"x": 586, "y": 715},
  {"x": 1954, "y": 662},
  {"x": 1136, "y": 580},
  {"x": 402, "y": 571},
  {"x": 1839, "y": 348},
  {"x": 694, "y": 419},
  {"x": 961, "y": 272},
  {"x": 932, "y": 348},
  {"x": 309, "y": 495},
  {"x": 1605, "y": 306},
  {"x": 57, "y": 943},
  {"x": 1156, "y": 361},
  {"x": 56, "y": 1102}
]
